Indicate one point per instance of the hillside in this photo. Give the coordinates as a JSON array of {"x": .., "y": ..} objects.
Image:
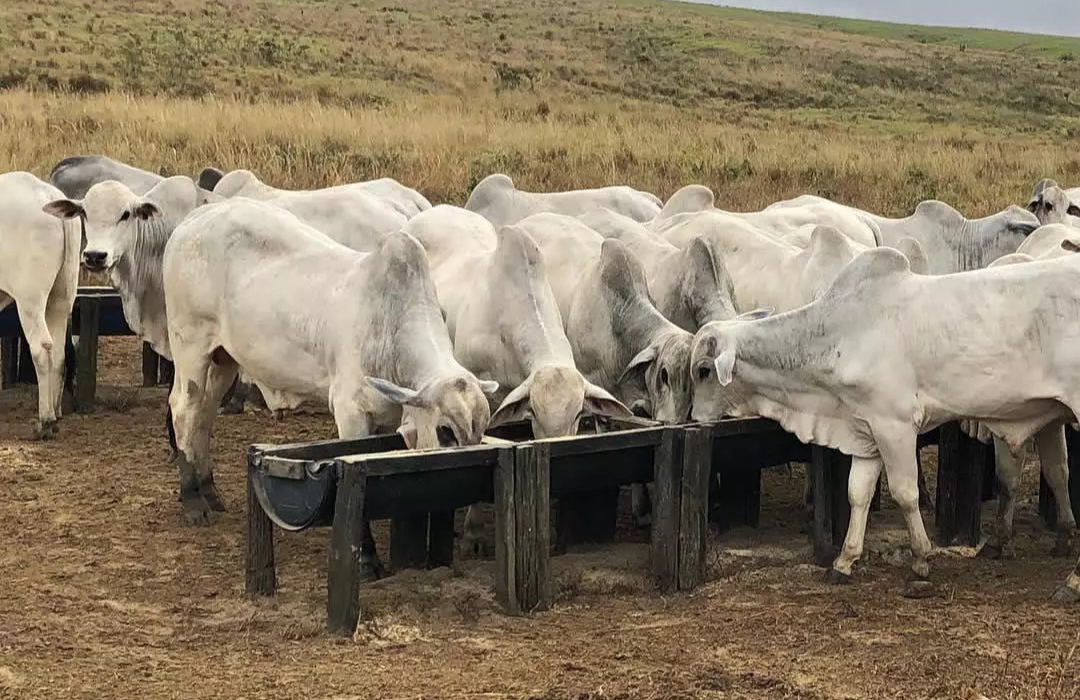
[{"x": 557, "y": 94}]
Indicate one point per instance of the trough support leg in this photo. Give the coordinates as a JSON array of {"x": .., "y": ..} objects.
[
  {"x": 409, "y": 542},
  {"x": 346, "y": 538},
  {"x": 149, "y": 365},
  {"x": 961, "y": 469},
  {"x": 1047, "y": 505},
  {"x": 27, "y": 373},
  {"x": 441, "y": 539},
  {"x": 667, "y": 508},
  {"x": 86, "y": 368},
  {"x": 694, "y": 506},
  {"x": 830, "y": 470},
  {"x": 9, "y": 356},
  {"x": 261, "y": 578},
  {"x": 590, "y": 516},
  {"x": 522, "y": 523}
]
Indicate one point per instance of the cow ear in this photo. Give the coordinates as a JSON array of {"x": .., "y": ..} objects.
[
  {"x": 1033, "y": 205},
  {"x": 209, "y": 178},
  {"x": 514, "y": 407},
  {"x": 756, "y": 314},
  {"x": 146, "y": 211},
  {"x": 64, "y": 208},
  {"x": 1071, "y": 244},
  {"x": 394, "y": 393},
  {"x": 640, "y": 361},
  {"x": 488, "y": 387},
  {"x": 725, "y": 366},
  {"x": 600, "y": 403},
  {"x": 1073, "y": 210}
]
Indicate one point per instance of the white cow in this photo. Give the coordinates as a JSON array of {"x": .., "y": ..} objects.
[
  {"x": 1053, "y": 205},
  {"x": 39, "y": 271},
  {"x": 243, "y": 183},
  {"x": 250, "y": 285},
  {"x": 497, "y": 200},
  {"x": 767, "y": 272},
  {"x": 690, "y": 286},
  {"x": 694, "y": 201},
  {"x": 886, "y": 354},
  {"x": 76, "y": 175},
  {"x": 619, "y": 339},
  {"x": 953, "y": 243},
  {"x": 504, "y": 322}
]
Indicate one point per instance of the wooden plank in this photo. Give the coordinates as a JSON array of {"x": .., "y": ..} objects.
[
  {"x": 441, "y": 539},
  {"x": 667, "y": 510},
  {"x": 86, "y": 369},
  {"x": 504, "y": 479},
  {"x": 694, "y": 506},
  {"x": 829, "y": 470},
  {"x": 409, "y": 542},
  {"x": 533, "y": 529},
  {"x": 260, "y": 575},
  {"x": 343, "y": 565},
  {"x": 149, "y": 365}
]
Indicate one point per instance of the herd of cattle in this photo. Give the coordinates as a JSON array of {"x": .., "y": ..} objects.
[{"x": 852, "y": 330}]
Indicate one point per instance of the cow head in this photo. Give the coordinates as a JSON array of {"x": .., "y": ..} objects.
[
  {"x": 443, "y": 413},
  {"x": 110, "y": 213},
  {"x": 1052, "y": 206},
  {"x": 554, "y": 399},
  {"x": 659, "y": 374},
  {"x": 712, "y": 368}
]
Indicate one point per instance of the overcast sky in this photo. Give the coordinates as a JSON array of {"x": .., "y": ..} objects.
[{"x": 1038, "y": 16}]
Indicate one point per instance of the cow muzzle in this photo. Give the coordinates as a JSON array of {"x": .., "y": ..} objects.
[{"x": 94, "y": 260}]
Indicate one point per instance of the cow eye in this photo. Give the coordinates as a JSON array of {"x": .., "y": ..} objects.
[
  {"x": 1049, "y": 206},
  {"x": 446, "y": 437},
  {"x": 703, "y": 373},
  {"x": 125, "y": 216},
  {"x": 664, "y": 376}
]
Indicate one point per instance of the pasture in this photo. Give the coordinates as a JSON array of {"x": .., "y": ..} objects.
[{"x": 107, "y": 595}]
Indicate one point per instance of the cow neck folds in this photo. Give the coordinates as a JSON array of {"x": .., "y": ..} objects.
[{"x": 137, "y": 276}]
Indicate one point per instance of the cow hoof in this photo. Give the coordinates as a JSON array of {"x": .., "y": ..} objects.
[
  {"x": 1066, "y": 596},
  {"x": 371, "y": 570},
  {"x": 990, "y": 551},
  {"x": 213, "y": 498},
  {"x": 45, "y": 430},
  {"x": 919, "y": 588},
  {"x": 232, "y": 409},
  {"x": 196, "y": 511},
  {"x": 278, "y": 414},
  {"x": 837, "y": 578},
  {"x": 1062, "y": 547}
]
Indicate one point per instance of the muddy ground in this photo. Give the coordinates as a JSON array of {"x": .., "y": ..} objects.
[{"x": 105, "y": 594}]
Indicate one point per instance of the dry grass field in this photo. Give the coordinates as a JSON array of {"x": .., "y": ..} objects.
[{"x": 105, "y": 595}]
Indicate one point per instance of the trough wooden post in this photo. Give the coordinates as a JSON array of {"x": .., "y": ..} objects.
[
  {"x": 441, "y": 539},
  {"x": 346, "y": 540},
  {"x": 667, "y": 509},
  {"x": 961, "y": 467},
  {"x": 261, "y": 574},
  {"x": 830, "y": 470},
  {"x": 694, "y": 505},
  {"x": 523, "y": 524},
  {"x": 149, "y": 365},
  {"x": 86, "y": 369},
  {"x": 9, "y": 355},
  {"x": 409, "y": 542},
  {"x": 27, "y": 372}
]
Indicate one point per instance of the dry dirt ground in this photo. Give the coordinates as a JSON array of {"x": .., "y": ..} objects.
[{"x": 105, "y": 594}]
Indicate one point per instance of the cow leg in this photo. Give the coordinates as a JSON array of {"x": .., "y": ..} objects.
[
  {"x": 899, "y": 455},
  {"x": 1007, "y": 467},
  {"x": 862, "y": 481},
  {"x": 222, "y": 373},
  {"x": 353, "y": 423},
  {"x": 56, "y": 318},
  {"x": 36, "y": 330},
  {"x": 1050, "y": 443},
  {"x": 186, "y": 401}
]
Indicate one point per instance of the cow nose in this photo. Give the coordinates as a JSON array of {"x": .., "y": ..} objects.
[{"x": 94, "y": 259}]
